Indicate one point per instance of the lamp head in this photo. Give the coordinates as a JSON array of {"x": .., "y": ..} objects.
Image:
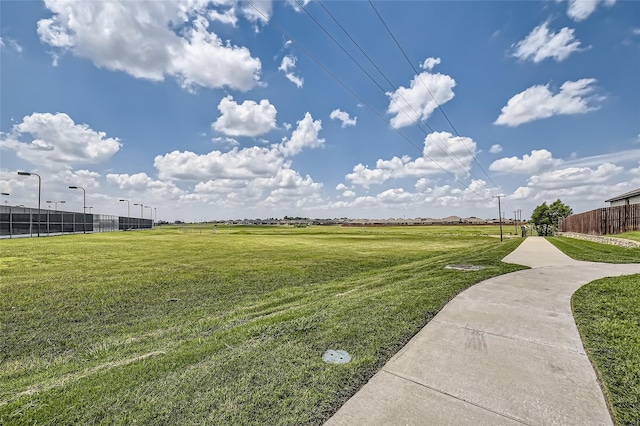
[
  {"x": 73, "y": 187},
  {"x": 24, "y": 173}
]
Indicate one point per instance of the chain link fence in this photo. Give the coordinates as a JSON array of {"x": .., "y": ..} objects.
[{"x": 29, "y": 222}]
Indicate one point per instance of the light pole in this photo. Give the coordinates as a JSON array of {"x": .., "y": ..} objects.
[
  {"x": 84, "y": 207},
  {"x": 155, "y": 216},
  {"x": 150, "y": 213},
  {"x": 141, "y": 212},
  {"x": 6, "y": 194},
  {"x": 39, "y": 192},
  {"x": 499, "y": 212},
  {"x": 128, "y": 214}
]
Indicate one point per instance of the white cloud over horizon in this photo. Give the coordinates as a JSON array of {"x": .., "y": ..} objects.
[
  {"x": 442, "y": 153},
  {"x": 539, "y": 160},
  {"x": 538, "y": 102},
  {"x": 421, "y": 98},
  {"x": 343, "y": 117},
  {"x": 541, "y": 44},
  {"x": 287, "y": 66},
  {"x": 579, "y": 10},
  {"x": 135, "y": 37},
  {"x": 57, "y": 142},
  {"x": 246, "y": 119}
]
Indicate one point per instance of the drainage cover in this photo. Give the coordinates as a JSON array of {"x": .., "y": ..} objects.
[
  {"x": 464, "y": 267},
  {"x": 337, "y": 356}
]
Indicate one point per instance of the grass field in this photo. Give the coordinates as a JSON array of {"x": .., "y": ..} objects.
[
  {"x": 596, "y": 252},
  {"x": 175, "y": 327},
  {"x": 631, "y": 235},
  {"x": 607, "y": 313}
]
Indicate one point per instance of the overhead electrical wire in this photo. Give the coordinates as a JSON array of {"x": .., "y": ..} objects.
[
  {"x": 451, "y": 155},
  {"x": 353, "y": 93},
  {"x": 426, "y": 87}
]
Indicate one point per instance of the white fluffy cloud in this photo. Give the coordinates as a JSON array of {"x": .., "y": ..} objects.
[
  {"x": 539, "y": 160},
  {"x": 246, "y": 119},
  {"x": 573, "y": 185},
  {"x": 256, "y": 176},
  {"x": 442, "y": 151},
  {"x": 306, "y": 135},
  {"x": 429, "y": 63},
  {"x": 495, "y": 149},
  {"x": 246, "y": 163},
  {"x": 538, "y": 102},
  {"x": 541, "y": 43},
  {"x": 136, "y": 37},
  {"x": 423, "y": 96},
  {"x": 347, "y": 121},
  {"x": 140, "y": 183},
  {"x": 572, "y": 177},
  {"x": 579, "y": 10},
  {"x": 285, "y": 188},
  {"x": 57, "y": 142},
  {"x": 286, "y": 66}
]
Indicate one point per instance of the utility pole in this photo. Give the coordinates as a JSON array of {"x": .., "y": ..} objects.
[
  {"x": 515, "y": 220},
  {"x": 499, "y": 212}
]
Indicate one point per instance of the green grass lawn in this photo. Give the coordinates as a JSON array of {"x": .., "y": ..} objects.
[
  {"x": 608, "y": 315},
  {"x": 175, "y": 327},
  {"x": 631, "y": 235},
  {"x": 596, "y": 252}
]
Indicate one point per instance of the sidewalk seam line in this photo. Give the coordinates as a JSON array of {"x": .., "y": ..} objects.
[{"x": 458, "y": 398}]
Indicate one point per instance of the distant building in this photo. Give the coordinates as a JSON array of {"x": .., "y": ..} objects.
[{"x": 632, "y": 197}]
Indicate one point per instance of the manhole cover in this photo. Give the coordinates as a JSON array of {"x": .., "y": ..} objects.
[
  {"x": 464, "y": 267},
  {"x": 337, "y": 356}
]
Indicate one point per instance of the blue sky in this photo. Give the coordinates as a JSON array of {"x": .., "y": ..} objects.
[{"x": 204, "y": 109}]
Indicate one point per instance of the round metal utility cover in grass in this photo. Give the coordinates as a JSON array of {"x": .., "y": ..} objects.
[
  {"x": 337, "y": 356},
  {"x": 464, "y": 267}
]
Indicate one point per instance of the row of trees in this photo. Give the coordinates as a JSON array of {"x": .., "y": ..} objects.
[{"x": 545, "y": 217}]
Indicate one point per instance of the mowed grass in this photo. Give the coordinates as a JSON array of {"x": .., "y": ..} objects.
[
  {"x": 607, "y": 313},
  {"x": 174, "y": 327},
  {"x": 631, "y": 235},
  {"x": 596, "y": 252}
]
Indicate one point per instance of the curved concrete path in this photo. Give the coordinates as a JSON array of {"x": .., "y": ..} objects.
[{"x": 504, "y": 352}]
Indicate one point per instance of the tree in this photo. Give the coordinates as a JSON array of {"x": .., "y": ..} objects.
[{"x": 545, "y": 217}]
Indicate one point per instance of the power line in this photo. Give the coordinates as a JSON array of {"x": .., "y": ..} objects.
[
  {"x": 462, "y": 166},
  {"x": 325, "y": 69},
  {"x": 451, "y": 155},
  {"x": 426, "y": 87}
]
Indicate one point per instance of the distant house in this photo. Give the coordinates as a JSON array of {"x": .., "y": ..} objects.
[{"x": 631, "y": 197}]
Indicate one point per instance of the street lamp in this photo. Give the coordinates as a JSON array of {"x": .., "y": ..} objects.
[
  {"x": 90, "y": 210},
  {"x": 128, "y": 225},
  {"x": 141, "y": 213},
  {"x": 84, "y": 207},
  {"x": 6, "y": 194},
  {"x": 39, "y": 192},
  {"x": 150, "y": 213},
  {"x": 55, "y": 204},
  {"x": 128, "y": 214}
]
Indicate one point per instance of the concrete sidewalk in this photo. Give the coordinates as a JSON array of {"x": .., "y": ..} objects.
[{"x": 504, "y": 352}]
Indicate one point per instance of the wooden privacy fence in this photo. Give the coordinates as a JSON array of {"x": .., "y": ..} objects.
[{"x": 608, "y": 220}]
